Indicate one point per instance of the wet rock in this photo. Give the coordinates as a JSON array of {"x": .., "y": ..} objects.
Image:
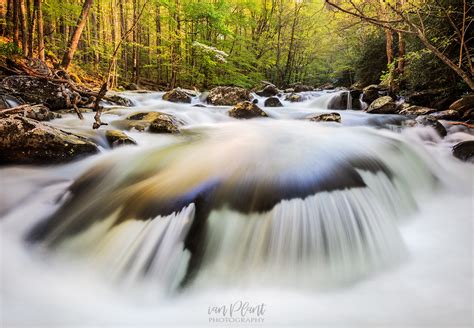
[
  {"x": 37, "y": 112},
  {"x": 289, "y": 90},
  {"x": 154, "y": 122},
  {"x": 302, "y": 88},
  {"x": 269, "y": 91},
  {"x": 38, "y": 90},
  {"x": 355, "y": 99},
  {"x": 178, "y": 96},
  {"x": 415, "y": 110},
  {"x": 382, "y": 105},
  {"x": 117, "y": 138},
  {"x": 448, "y": 114},
  {"x": 371, "y": 93},
  {"x": 273, "y": 102},
  {"x": 464, "y": 106},
  {"x": 255, "y": 101},
  {"x": 294, "y": 97},
  {"x": 464, "y": 151},
  {"x": 339, "y": 101},
  {"x": 428, "y": 120},
  {"x": 27, "y": 141},
  {"x": 119, "y": 100},
  {"x": 165, "y": 124},
  {"x": 330, "y": 117},
  {"x": 246, "y": 109},
  {"x": 228, "y": 96}
]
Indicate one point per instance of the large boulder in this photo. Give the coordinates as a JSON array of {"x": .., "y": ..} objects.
[
  {"x": 330, "y": 117},
  {"x": 382, "y": 105},
  {"x": 39, "y": 90},
  {"x": 295, "y": 97},
  {"x": 433, "y": 98},
  {"x": 372, "y": 92},
  {"x": 246, "y": 109},
  {"x": 27, "y": 141},
  {"x": 464, "y": 151},
  {"x": 269, "y": 91},
  {"x": 178, "y": 96},
  {"x": 119, "y": 100},
  {"x": 449, "y": 114},
  {"x": 464, "y": 106},
  {"x": 228, "y": 96},
  {"x": 117, "y": 138},
  {"x": 273, "y": 102}
]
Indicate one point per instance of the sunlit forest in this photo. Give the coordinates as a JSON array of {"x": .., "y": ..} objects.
[
  {"x": 163, "y": 44},
  {"x": 237, "y": 163}
]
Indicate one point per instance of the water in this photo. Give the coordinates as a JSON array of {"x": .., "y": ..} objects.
[{"x": 359, "y": 223}]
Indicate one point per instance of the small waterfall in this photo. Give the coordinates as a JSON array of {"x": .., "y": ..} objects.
[
  {"x": 349, "y": 100},
  {"x": 326, "y": 208}
]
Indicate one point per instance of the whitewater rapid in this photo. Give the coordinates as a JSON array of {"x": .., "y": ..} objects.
[{"x": 359, "y": 224}]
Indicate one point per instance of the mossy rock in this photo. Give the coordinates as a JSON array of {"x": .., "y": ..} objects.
[
  {"x": 117, "y": 138},
  {"x": 246, "y": 110}
]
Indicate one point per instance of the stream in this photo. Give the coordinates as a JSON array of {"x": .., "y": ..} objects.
[{"x": 268, "y": 221}]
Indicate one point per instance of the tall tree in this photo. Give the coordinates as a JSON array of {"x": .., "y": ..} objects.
[{"x": 76, "y": 35}]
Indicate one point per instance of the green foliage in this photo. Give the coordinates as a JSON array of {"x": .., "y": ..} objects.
[{"x": 8, "y": 49}]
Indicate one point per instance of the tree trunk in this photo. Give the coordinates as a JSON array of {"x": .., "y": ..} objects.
[
  {"x": 16, "y": 24},
  {"x": 39, "y": 22},
  {"x": 401, "y": 53},
  {"x": 23, "y": 27},
  {"x": 71, "y": 49}
]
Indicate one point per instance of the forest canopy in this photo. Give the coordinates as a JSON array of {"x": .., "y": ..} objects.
[{"x": 191, "y": 43}]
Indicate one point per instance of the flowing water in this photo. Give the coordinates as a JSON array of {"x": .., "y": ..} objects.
[{"x": 319, "y": 224}]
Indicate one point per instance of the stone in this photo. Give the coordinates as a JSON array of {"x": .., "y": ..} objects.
[
  {"x": 178, "y": 96},
  {"x": 119, "y": 100},
  {"x": 269, "y": 91},
  {"x": 27, "y": 141},
  {"x": 302, "y": 88},
  {"x": 38, "y": 90},
  {"x": 117, "y": 138},
  {"x": 371, "y": 93},
  {"x": 246, "y": 110},
  {"x": 415, "y": 110},
  {"x": 464, "y": 106},
  {"x": 294, "y": 97},
  {"x": 464, "y": 151},
  {"x": 428, "y": 120},
  {"x": 155, "y": 122},
  {"x": 228, "y": 96},
  {"x": 37, "y": 112},
  {"x": 449, "y": 114},
  {"x": 330, "y": 117},
  {"x": 273, "y": 102},
  {"x": 382, "y": 105}
]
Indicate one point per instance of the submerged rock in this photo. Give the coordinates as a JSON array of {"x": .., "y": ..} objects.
[
  {"x": 269, "y": 91},
  {"x": 178, "y": 96},
  {"x": 246, "y": 109},
  {"x": 27, "y": 141},
  {"x": 228, "y": 96},
  {"x": 464, "y": 151},
  {"x": 330, "y": 117},
  {"x": 382, "y": 105},
  {"x": 117, "y": 138},
  {"x": 273, "y": 102},
  {"x": 428, "y": 120}
]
